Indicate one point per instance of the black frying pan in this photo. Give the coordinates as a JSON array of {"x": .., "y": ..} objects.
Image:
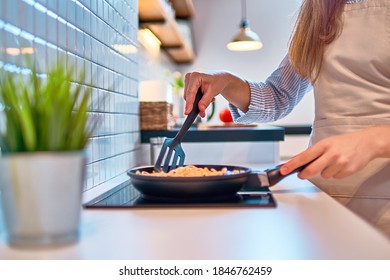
[{"x": 201, "y": 187}]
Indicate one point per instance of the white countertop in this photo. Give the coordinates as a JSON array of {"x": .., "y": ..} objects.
[{"x": 306, "y": 224}]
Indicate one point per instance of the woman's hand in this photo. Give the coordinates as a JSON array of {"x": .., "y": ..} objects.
[
  {"x": 233, "y": 88},
  {"x": 342, "y": 155}
]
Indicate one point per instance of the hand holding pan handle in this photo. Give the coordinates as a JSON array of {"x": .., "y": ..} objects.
[{"x": 272, "y": 176}]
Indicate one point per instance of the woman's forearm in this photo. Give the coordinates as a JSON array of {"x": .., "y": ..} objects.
[
  {"x": 232, "y": 87},
  {"x": 237, "y": 92},
  {"x": 379, "y": 138}
]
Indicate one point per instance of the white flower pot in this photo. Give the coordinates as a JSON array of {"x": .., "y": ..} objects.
[{"x": 41, "y": 197}]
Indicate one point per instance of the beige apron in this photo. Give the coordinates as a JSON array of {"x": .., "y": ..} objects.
[{"x": 351, "y": 93}]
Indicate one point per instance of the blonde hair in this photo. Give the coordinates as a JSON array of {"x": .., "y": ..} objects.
[{"x": 318, "y": 24}]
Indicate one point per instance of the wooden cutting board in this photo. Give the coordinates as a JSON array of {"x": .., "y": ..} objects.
[{"x": 225, "y": 125}]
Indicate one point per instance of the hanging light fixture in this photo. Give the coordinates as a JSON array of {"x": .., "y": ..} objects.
[{"x": 246, "y": 39}]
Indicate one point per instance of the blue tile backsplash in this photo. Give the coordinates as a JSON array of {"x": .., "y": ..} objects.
[{"x": 87, "y": 33}]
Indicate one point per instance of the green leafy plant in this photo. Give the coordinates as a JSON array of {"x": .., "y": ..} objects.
[
  {"x": 175, "y": 79},
  {"x": 178, "y": 80},
  {"x": 44, "y": 112}
]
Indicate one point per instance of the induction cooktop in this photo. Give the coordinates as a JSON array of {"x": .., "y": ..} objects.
[{"x": 126, "y": 196}]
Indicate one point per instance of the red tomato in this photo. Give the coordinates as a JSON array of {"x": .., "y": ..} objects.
[{"x": 225, "y": 115}]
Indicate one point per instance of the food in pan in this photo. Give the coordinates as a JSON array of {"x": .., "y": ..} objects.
[{"x": 191, "y": 171}]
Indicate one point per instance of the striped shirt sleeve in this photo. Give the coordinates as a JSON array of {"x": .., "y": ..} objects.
[{"x": 275, "y": 98}]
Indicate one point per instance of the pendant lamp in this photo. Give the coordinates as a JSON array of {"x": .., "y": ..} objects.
[{"x": 246, "y": 39}]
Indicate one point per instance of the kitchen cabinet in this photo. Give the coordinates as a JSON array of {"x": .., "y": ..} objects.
[
  {"x": 239, "y": 134},
  {"x": 175, "y": 35},
  {"x": 225, "y": 145}
]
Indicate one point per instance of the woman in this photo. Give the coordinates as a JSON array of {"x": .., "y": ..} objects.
[{"x": 345, "y": 56}]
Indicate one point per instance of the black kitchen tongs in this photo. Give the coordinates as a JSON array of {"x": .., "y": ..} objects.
[{"x": 173, "y": 145}]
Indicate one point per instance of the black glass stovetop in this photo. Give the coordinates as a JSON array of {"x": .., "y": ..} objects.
[{"x": 126, "y": 196}]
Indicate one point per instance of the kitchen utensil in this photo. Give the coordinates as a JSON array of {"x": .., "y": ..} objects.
[
  {"x": 202, "y": 187},
  {"x": 172, "y": 146}
]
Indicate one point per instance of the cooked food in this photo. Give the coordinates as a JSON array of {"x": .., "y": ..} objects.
[{"x": 191, "y": 171}]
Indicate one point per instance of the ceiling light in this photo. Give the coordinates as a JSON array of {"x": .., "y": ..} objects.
[
  {"x": 149, "y": 40},
  {"x": 246, "y": 39}
]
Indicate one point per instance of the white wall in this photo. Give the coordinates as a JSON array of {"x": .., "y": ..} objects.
[{"x": 215, "y": 23}]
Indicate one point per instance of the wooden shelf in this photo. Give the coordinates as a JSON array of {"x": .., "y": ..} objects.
[
  {"x": 184, "y": 8},
  {"x": 157, "y": 16}
]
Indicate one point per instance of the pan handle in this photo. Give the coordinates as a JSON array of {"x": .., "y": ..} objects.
[{"x": 275, "y": 177}]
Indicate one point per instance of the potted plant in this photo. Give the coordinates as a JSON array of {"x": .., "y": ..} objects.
[{"x": 44, "y": 129}]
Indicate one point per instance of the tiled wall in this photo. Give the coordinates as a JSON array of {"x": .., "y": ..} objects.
[{"x": 101, "y": 36}]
